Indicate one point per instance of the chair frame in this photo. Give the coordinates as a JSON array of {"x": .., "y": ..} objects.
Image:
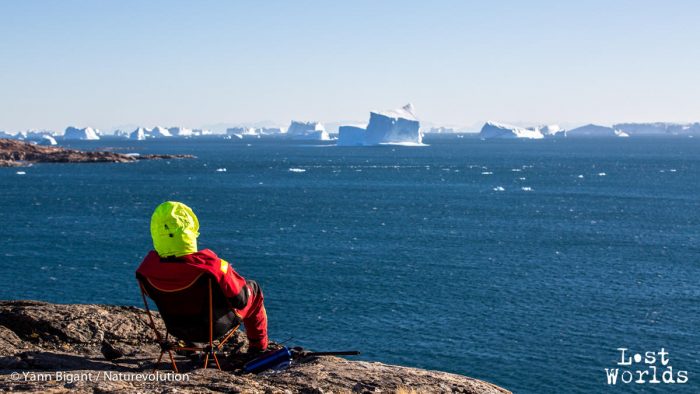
[{"x": 169, "y": 346}]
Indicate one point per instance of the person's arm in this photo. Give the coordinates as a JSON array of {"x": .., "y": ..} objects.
[{"x": 233, "y": 286}]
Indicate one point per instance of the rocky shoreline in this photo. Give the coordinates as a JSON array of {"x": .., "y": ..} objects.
[
  {"x": 61, "y": 348},
  {"x": 18, "y": 153}
]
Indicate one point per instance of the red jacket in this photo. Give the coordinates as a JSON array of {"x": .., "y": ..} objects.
[{"x": 174, "y": 273}]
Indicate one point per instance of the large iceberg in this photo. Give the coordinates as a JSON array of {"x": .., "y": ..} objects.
[
  {"x": 398, "y": 126},
  {"x": 500, "y": 130},
  {"x": 74, "y": 133},
  {"x": 592, "y": 130},
  {"x": 307, "y": 131},
  {"x": 138, "y": 134},
  {"x": 352, "y": 135}
]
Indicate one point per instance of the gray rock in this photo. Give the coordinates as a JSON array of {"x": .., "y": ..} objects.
[{"x": 59, "y": 348}]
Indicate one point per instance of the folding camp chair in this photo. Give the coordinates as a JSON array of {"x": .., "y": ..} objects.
[{"x": 197, "y": 313}]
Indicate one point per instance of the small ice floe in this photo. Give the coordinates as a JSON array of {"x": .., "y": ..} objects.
[
  {"x": 21, "y": 173},
  {"x": 672, "y": 170},
  {"x": 499, "y": 189},
  {"x": 220, "y": 170},
  {"x": 297, "y": 170},
  {"x": 516, "y": 169},
  {"x": 580, "y": 177},
  {"x": 526, "y": 188},
  {"x": 602, "y": 174},
  {"x": 522, "y": 178},
  {"x": 487, "y": 173}
]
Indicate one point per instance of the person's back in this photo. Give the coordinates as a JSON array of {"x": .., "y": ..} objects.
[{"x": 176, "y": 263}]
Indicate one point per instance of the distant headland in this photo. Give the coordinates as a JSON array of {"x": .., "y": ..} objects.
[{"x": 15, "y": 153}]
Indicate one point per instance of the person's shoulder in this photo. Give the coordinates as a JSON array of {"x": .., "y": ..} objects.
[
  {"x": 151, "y": 256},
  {"x": 206, "y": 253},
  {"x": 206, "y": 257},
  {"x": 148, "y": 261}
]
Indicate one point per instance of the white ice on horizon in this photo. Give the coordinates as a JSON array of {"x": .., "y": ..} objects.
[
  {"x": 659, "y": 128},
  {"x": 87, "y": 133},
  {"x": 47, "y": 140},
  {"x": 393, "y": 127},
  {"x": 160, "y": 132},
  {"x": 492, "y": 130},
  {"x": 307, "y": 131},
  {"x": 139, "y": 134},
  {"x": 592, "y": 130}
]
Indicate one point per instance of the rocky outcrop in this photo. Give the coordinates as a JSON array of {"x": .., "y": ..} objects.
[
  {"x": 63, "y": 346},
  {"x": 16, "y": 153}
]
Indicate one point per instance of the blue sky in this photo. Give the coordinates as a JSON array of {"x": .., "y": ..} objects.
[{"x": 109, "y": 63}]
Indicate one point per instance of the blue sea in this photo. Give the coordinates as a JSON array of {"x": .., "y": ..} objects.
[{"x": 523, "y": 263}]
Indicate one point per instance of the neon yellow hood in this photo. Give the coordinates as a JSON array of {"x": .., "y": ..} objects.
[{"x": 174, "y": 229}]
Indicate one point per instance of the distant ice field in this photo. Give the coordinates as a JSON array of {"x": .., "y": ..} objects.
[{"x": 526, "y": 263}]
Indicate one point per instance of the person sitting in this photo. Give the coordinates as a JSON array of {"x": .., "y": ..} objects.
[{"x": 176, "y": 263}]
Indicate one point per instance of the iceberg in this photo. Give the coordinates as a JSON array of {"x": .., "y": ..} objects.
[
  {"x": 46, "y": 140},
  {"x": 180, "y": 132},
  {"x": 592, "y": 130},
  {"x": 307, "y": 131},
  {"x": 498, "y": 130},
  {"x": 351, "y": 135},
  {"x": 271, "y": 130},
  {"x": 394, "y": 127},
  {"x": 235, "y": 131},
  {"x": 552, "y": 130},
  {"x": 40, "y": 137},
  {"x": 241, "y": 132},
  {"x": 121, "y": 134},
  {"x": 74, "y": 133},
  {"x": 138, "y": 134},
  {"x": 201, "y": 132},
  {"x": 250, "y": 132},
  {"x": 442, "y": 130},
  {"x": 160, "y": 132},
  {"x": 254, "y": 132}
]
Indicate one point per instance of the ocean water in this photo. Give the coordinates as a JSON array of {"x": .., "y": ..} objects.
[{"x": 523, "y": 263}]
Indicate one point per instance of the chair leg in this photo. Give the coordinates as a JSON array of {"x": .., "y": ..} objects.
[
  {"x": 158, "y": 361},
  {"x": 216, "y": 359},
  {"x": 227, "y": 337},
  {"x": 172, "y": 360},
  {"x": 206, "y": 360}
]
